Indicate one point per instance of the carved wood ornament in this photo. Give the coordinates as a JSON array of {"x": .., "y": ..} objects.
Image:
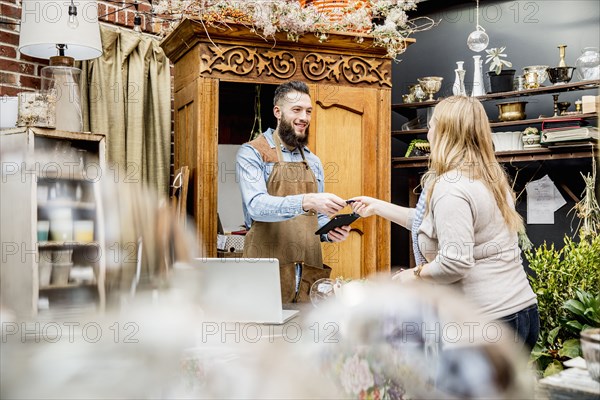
[{"x": 240, "y": 60}]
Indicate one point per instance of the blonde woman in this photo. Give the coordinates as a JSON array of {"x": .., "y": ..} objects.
[{"x": 469, "y": 232}]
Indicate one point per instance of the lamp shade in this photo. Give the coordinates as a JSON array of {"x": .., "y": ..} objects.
[{"x": 45, "y": 24}]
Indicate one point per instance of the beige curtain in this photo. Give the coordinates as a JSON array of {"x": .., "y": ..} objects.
[{"x": 126, "y": 94}]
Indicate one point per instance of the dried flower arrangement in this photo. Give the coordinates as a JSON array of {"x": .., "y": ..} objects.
[
  {"x": 587, "y": 209},
  {"x": 37, "y": 108},
  {"x": 267, "y": 17}
]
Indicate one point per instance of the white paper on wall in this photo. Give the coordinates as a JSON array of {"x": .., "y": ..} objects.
[{"x": 543, "y": 199}]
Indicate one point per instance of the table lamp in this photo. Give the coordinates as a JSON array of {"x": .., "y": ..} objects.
[{"x": 61, "y": 32}]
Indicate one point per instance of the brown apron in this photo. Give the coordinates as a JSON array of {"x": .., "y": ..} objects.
[{"x": 293, "y": 242}]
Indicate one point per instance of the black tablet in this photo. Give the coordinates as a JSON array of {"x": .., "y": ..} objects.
[{"x": 337, "y": 221}]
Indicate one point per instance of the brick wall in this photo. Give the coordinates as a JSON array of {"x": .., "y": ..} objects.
[{"x": 19, "y": 72}]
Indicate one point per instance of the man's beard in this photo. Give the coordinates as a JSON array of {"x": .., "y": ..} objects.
[{"x": 288, "y": 135}]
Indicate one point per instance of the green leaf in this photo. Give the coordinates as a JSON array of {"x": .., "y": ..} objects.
[
  {"x": 539, "y": 351},
  {"x": 553, "y": 368},
  {"x": 583, "y": 296},
  {"x": 590, "y": 313},
  {"x": 571, "y": 348},
  {"x": 574, "y": 306},
  {"x": 552, "y": 335},
  {"x": 586, "y": 326},
  {"x": 575, "y": 326}
]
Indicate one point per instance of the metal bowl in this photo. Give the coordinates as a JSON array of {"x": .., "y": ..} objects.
[
  {"x": 431, "y": 85},
  {"x": 560, "y": 75},
  {"x": 563, "y": 106},
  {"x": 540, "y": 70},
  {"x": 511, "y": 111}
]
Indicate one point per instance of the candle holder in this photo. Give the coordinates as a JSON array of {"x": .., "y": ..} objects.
[
  {"x": 555, "y": 97},
  {"x": 561, "y": 53}
]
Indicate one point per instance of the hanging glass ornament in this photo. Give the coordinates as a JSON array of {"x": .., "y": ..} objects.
[{"x": 478, "y": 40}]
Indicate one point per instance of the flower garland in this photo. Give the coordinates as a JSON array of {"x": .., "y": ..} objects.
[{"x": 268, "y": 17}]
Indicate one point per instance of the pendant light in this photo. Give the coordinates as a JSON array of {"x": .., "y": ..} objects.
[{"x": 478, "y": 40}]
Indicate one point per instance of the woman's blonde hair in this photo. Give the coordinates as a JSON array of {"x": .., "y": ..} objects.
[{"x": 463, "y": 143}]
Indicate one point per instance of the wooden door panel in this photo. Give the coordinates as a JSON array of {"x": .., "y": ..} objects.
[
  {"x": 344, "y": 258},
  {"x": 339, "y": 144}
]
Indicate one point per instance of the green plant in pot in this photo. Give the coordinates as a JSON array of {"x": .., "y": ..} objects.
[
  {"x": 501, "y": 78},
  {"x": 567, "y": 284}
]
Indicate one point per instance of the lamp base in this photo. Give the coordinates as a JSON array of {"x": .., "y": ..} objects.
[{"x": 63, "y": 81}]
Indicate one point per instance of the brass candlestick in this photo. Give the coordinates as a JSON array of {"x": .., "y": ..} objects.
[
  {"x": 555, "y": 96},
  {"x": 561, "y": 52}
]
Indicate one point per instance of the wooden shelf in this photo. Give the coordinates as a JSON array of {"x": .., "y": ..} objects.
[
  {"x": 505, "y": 123},
  {"x": 409, "y": 108},
  {"x": 69, "y": 286},
  {"x": 20, "y": 275},
  {"x": 56, "y": 134},
  {"x": 585, "y": 150},
  {"x": 80, "y": 205},
  {"x": 51, "y": 175},
  {"x": 540, "y": 120},
  {"x": 51, "y": 244}
]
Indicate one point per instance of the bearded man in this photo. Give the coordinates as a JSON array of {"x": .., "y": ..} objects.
[{"x": 282, "y": 186}]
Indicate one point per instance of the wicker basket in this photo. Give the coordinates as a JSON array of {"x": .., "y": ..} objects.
[{"x": 332, "y": 8}]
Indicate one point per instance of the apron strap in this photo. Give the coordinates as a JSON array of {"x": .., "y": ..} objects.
[
  {"x": 302, "y": 154},
  {"x": 278, "y": 146}
]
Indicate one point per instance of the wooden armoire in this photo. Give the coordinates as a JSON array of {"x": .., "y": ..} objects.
[{"x": 350, "y": 83}]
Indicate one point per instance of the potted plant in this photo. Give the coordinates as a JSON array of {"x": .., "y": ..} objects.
[
  {"x": 501, "y": 79},
  {"x": 567, "y": 284},
  {"x": 531, "y": 138}
]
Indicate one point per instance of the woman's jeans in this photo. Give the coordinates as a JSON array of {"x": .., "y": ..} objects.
[{"x": 526, "y": 325}]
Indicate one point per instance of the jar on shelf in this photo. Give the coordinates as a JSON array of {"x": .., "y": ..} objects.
[{"x": 588, "y": 64}]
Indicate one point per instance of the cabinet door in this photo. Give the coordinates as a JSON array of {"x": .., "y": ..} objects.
[
  {"x": 196, "y": 144},
  {"x": 350, "y": 134}
]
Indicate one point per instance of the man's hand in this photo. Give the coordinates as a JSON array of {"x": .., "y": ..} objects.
[
  {"x": 339, "y": 234},
  {"x": 325, "y": 203}
]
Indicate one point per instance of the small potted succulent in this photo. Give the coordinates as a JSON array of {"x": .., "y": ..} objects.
[{"x": 501, "y": 78}]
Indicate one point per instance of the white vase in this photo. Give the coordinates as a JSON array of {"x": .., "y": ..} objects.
[
  {"x": 458, "y": 89},
  {"x": 478, "y": 88}
]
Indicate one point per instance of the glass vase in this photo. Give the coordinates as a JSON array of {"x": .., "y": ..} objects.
[
  {"x": 458, "y": 88},
  {"x": 588, "y": 64},
  {"x": 478, "y": 88}
]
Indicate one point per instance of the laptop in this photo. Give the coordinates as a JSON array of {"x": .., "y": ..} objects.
[{"x": 240, "y": 289}]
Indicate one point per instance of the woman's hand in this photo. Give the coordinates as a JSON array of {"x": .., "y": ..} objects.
[
  {"x": 405, "y": 276},
  {"x": 364, "y": 206}
]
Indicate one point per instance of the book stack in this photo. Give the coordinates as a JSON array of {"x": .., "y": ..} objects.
[{"x": 567, "y": 131}]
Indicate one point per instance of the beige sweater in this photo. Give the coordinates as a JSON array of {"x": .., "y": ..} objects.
[{"x": 469, "y": 246}]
